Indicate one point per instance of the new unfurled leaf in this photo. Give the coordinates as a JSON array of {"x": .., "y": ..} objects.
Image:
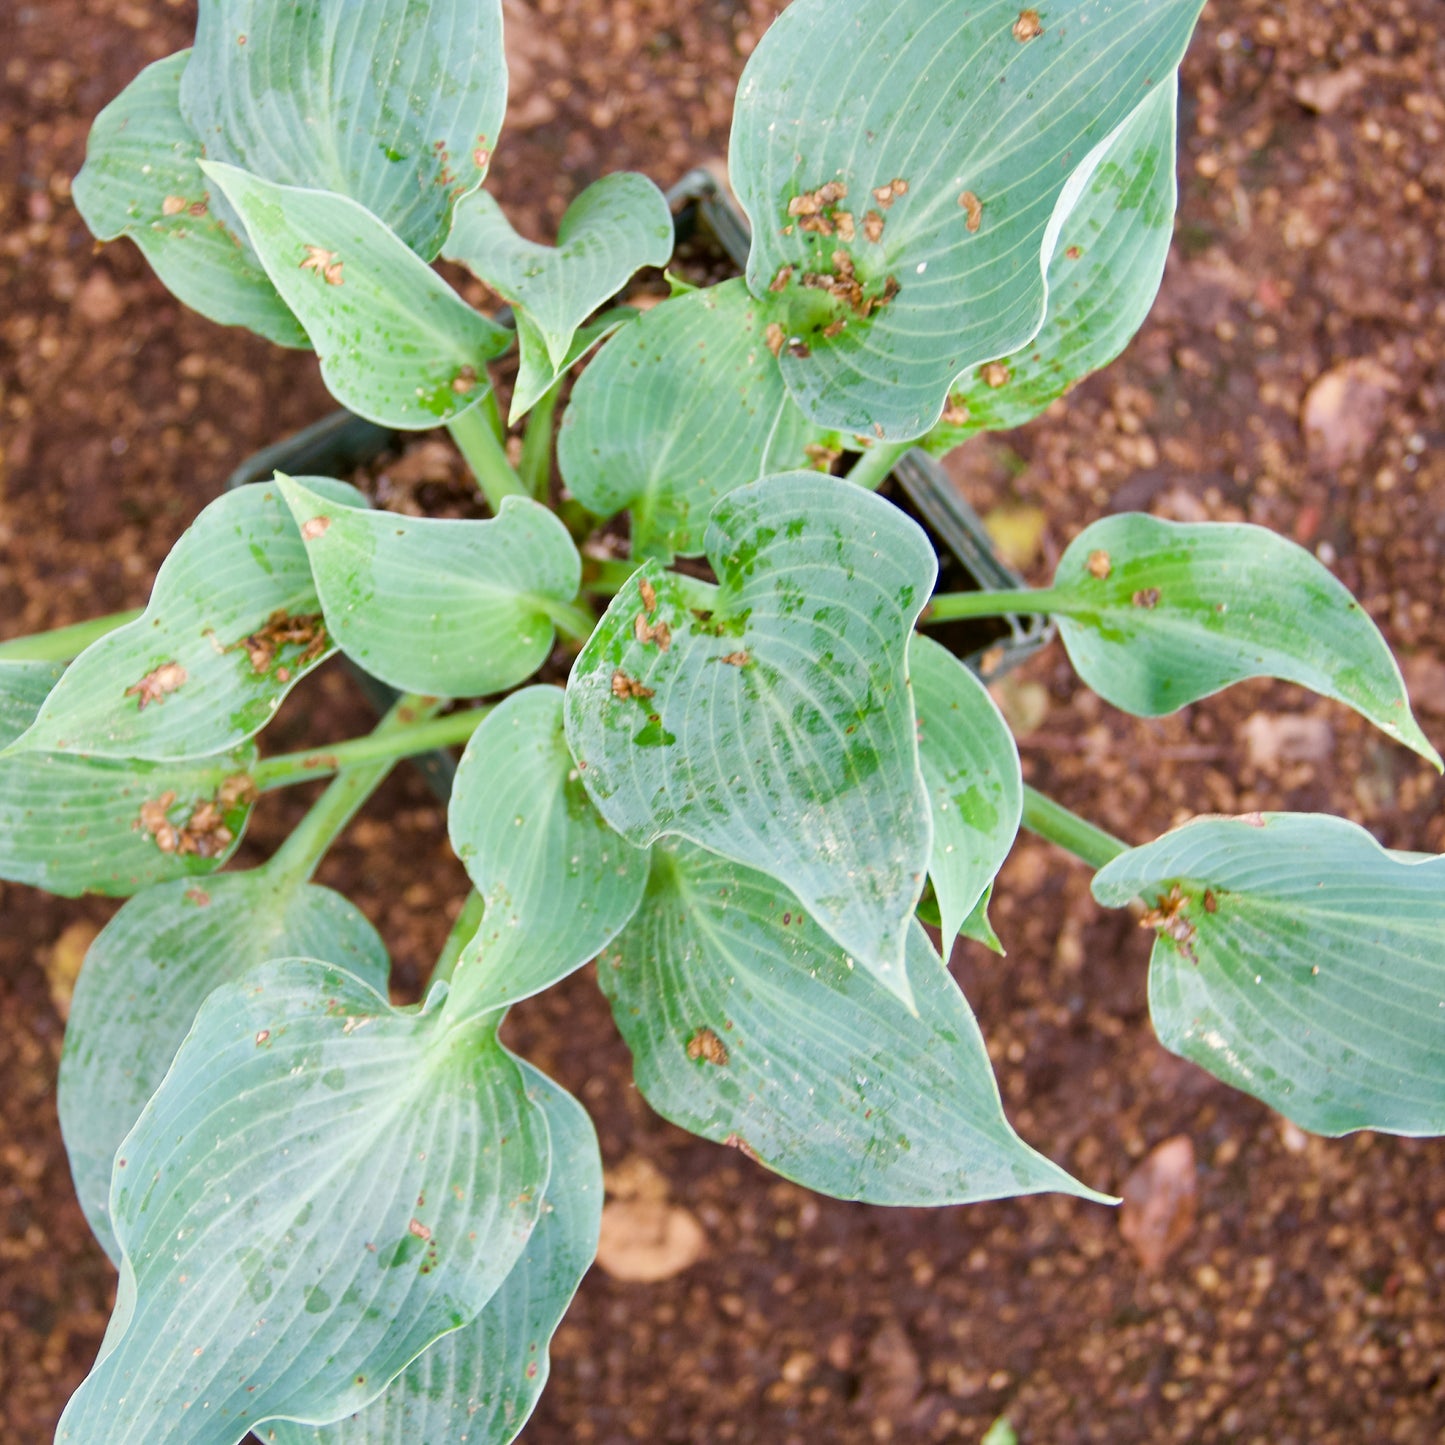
[
  {"x": 321, "y": 1186},
  {"x": 907, "y": 168},
  {"x": 536, "y": 375},
  {"x": 480, "y": 1383},
  {"x": 393, "y": 103},
  {"x": 557, "y": 881},
  {"x": 147, "y": 975},
  {"x": 1158, "y": 614},
  {"x": 1102, "y": 280},
  {"x": 1301, "y": 962},
  {"x": 141, "y": 179},
  {"x": 750, "y": 1026},
  {"x": 397, "y": 345},
  {"x": 768, "y": 718},
  {"x": 615, "y": 227},
  {"x": 684, "y": 407},
  {"x": 441, "y": 606},
  {"x": 233, "y": 623}
]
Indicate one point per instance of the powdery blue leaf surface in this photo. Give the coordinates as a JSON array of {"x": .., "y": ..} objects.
[
  {"x": 1102, "y": 280},
  {"x": 1158, "y": 614},
  {"x": 683, "y": 407},
  {"x": 24, "y": 686},
  {"x": 142, "y": 179},
  {"x": 1301, "y": 962},
  {"x": 320, "y": 1188},
  {"x": 768, "y": 718},
  {"x": 750, "y": 1026},
  {"x": 970, "y": 767},
  {"x": 394, "y": 103},
  {"x": 558, "y": 883},
  {"x": 437, "y": 605},
  {"x": 233, "y": 623},
  {"x": 615, "y": 227},
  {"x": 144, "y": 980},
  {"x": 536, "y": 375},
  {"x": 917, "y": 159},
  {"x": 479, "y": 1384},
  {"x": 397, "y": 345}
]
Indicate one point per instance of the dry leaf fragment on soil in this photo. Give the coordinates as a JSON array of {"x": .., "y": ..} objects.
[
  {"x": 1160, "y": 1198},
  {"x": 644, "y": 1237},
  {"x": 62, "y": 960},
  {"x": 1344, "y": 410}
]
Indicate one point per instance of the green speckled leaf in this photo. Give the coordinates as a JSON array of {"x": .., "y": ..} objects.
[
  {"x": 1303, "y": 963},
  {"x": 992, "y": 131},
  {"x": 683, "y": 407},
  {"x": 1158, "y": 614},
  {"x": 769, "y": 719},
  {"x": 141, "y": 179},
  {"x": 557, "y": 881},
  {"x": 436, "y": 605},
  {"x": 748, "y": 1025},
  {"x": 397, "y": 345},
  {"x": 321, "y": 1187},
  {"x": 147, "y": 975},
  {"x": 395, "y": 103}
]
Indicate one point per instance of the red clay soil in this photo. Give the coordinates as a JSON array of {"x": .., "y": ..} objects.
[{"x": 1302, "y": 1303}]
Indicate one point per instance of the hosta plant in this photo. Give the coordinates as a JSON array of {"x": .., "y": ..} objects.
[{"x": 709, "y": 742}]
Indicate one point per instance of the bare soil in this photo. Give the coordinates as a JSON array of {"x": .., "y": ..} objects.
[{"x": 1292, "y": 374}]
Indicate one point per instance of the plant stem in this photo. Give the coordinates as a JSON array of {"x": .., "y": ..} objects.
[
  {"x": 297, "y": 858},
  {"x": 872, "y": 468},
  {"x": 535, "y": 466},
  {"x": 1076, "y": 835},
  {"x": 605, "y": 575},
  {"x": 949, "y": 606},
  {"x": 63, "y": 643},
  {"x": 576, "y": 621},
  {"x": 486, "y": 456},
  {"x": 384, "y": 745},
  {"x": 463, "y": 931}
]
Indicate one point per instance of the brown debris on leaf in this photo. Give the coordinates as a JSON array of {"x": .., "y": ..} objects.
[
  {"x": 1146, "y": 597},
  {"x": 873, "y": 226},
  {"x": 304, "y": 630},
  {"x": 995, "y": 374},
  {"x": 204, "y": 834},
  {"x": 648, "y": 632},
  {"x": 625, "y": 687},
  {"x": 780, "y": 281},
  {"x": 885, "y": 195},
  {"x": 1099, "y": 564},
  {"x": 974, "y": 207},
  {"x": 1160, "y": 1198},
  {"x": 775, "y": 336},
  {"x": 735, "y": 659},
  {"x": 821, "y": 457},
  {"x": 843, "y": 285},
  {"x": 648, "y": 594},
  {"x": 1167, "y": 917},
  {"x": 154, "y": 686},
  {"x": 814, "y": 203},
  {"x": 706, "y": 1047},
  {"x": 955, "y": 411},
  {"x": 314, "y": 527},
  {"x": 323, "y": 263},
  {"x": 173, "y": 205},
  {"x": 1028, "y": 26}
]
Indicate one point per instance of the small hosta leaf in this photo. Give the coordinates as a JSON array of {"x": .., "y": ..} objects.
[
  {"x": 1301, "y": 962},
  {"x": 1102, "y": 280},
  {"x": 141, "y": 179},
  {"x": 685, "y": 406},
  {"x": 970, "y": 766},
  {"x": 768, "y": 718},
  {"x": 481, "y": 1382},
  {"x": 536, "y": 375},
  {"x": 397, "y": 345},
  {"x": 557, "y": 881},
  {"x": 233, "y": 623},
  {"x": 441, "y": 606},
  {"x": 1158, "y": 614},
  {"x": 906, "y": 166},
  {"x": 615, "y": 227},
  {"x": 144, "y": 980},
  {"x": 73, "y": 824},
  {"x": 393, "y": 103},
  {"x": 750, "y": 1026},
  {"x": 321, "y": 1187}
]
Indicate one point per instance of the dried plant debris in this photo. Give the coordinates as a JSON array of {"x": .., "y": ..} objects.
[
  {"x": 205, "y": 833},
  {"x": 1028, "y": 26},
  {"x": 971, "y": 203},
  {"x": 706, "y": 1047},
  {"x": 885, "y": 195},
  {"x": 625, "y": 687},
  {"x": 1167, "y": 917},
  {"x": 305, "y": 630},
  {"x": 1099, "y": 564},
  {"x": 842, "y": 284},
  {"x": 651, "y": 632},
  {"x": 154, "y": 686},
  {"x": 995, "y": 374},
  {"x": 323, "y": 263}
]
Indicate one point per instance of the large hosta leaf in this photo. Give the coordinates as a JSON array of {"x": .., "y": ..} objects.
[
  {"x": 395, "y": 103},
  {"x": 615, "y": 227},
  {"x": 141, "y": 179},
  {"x": 682, "y": 408},
  {"x": 436, "y": 605},
  {"x": 1301, "y": 962},
  {"x": 955, "y": 141},
  {"x": 479, "y": 1384},
  {"x": 1159, "y": 614},
  {"x": 1102, "y": 280},
  {"x": 970, "y": 766},
  {"x": 397, "y": 345},
  {"x": 557, "y": 881},
  {"x": 233, "y": 623},
  {"x": 320, "y": 1188},
  {"x": 768, "y": 718},
  {"x": 750, "y": 1026},
  {"x": 147, "y": 975}
]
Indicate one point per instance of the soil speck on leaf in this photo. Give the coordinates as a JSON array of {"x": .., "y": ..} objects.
[
  {"x": 974, "y": 207},
  {"x": 624, "y": 686},
  {"x": 706, "y": 1046},
  {"x": 1146, "y": 597},
  {"x": 1028, "y": 26},
  {"x": 1099, "y": 564}
]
